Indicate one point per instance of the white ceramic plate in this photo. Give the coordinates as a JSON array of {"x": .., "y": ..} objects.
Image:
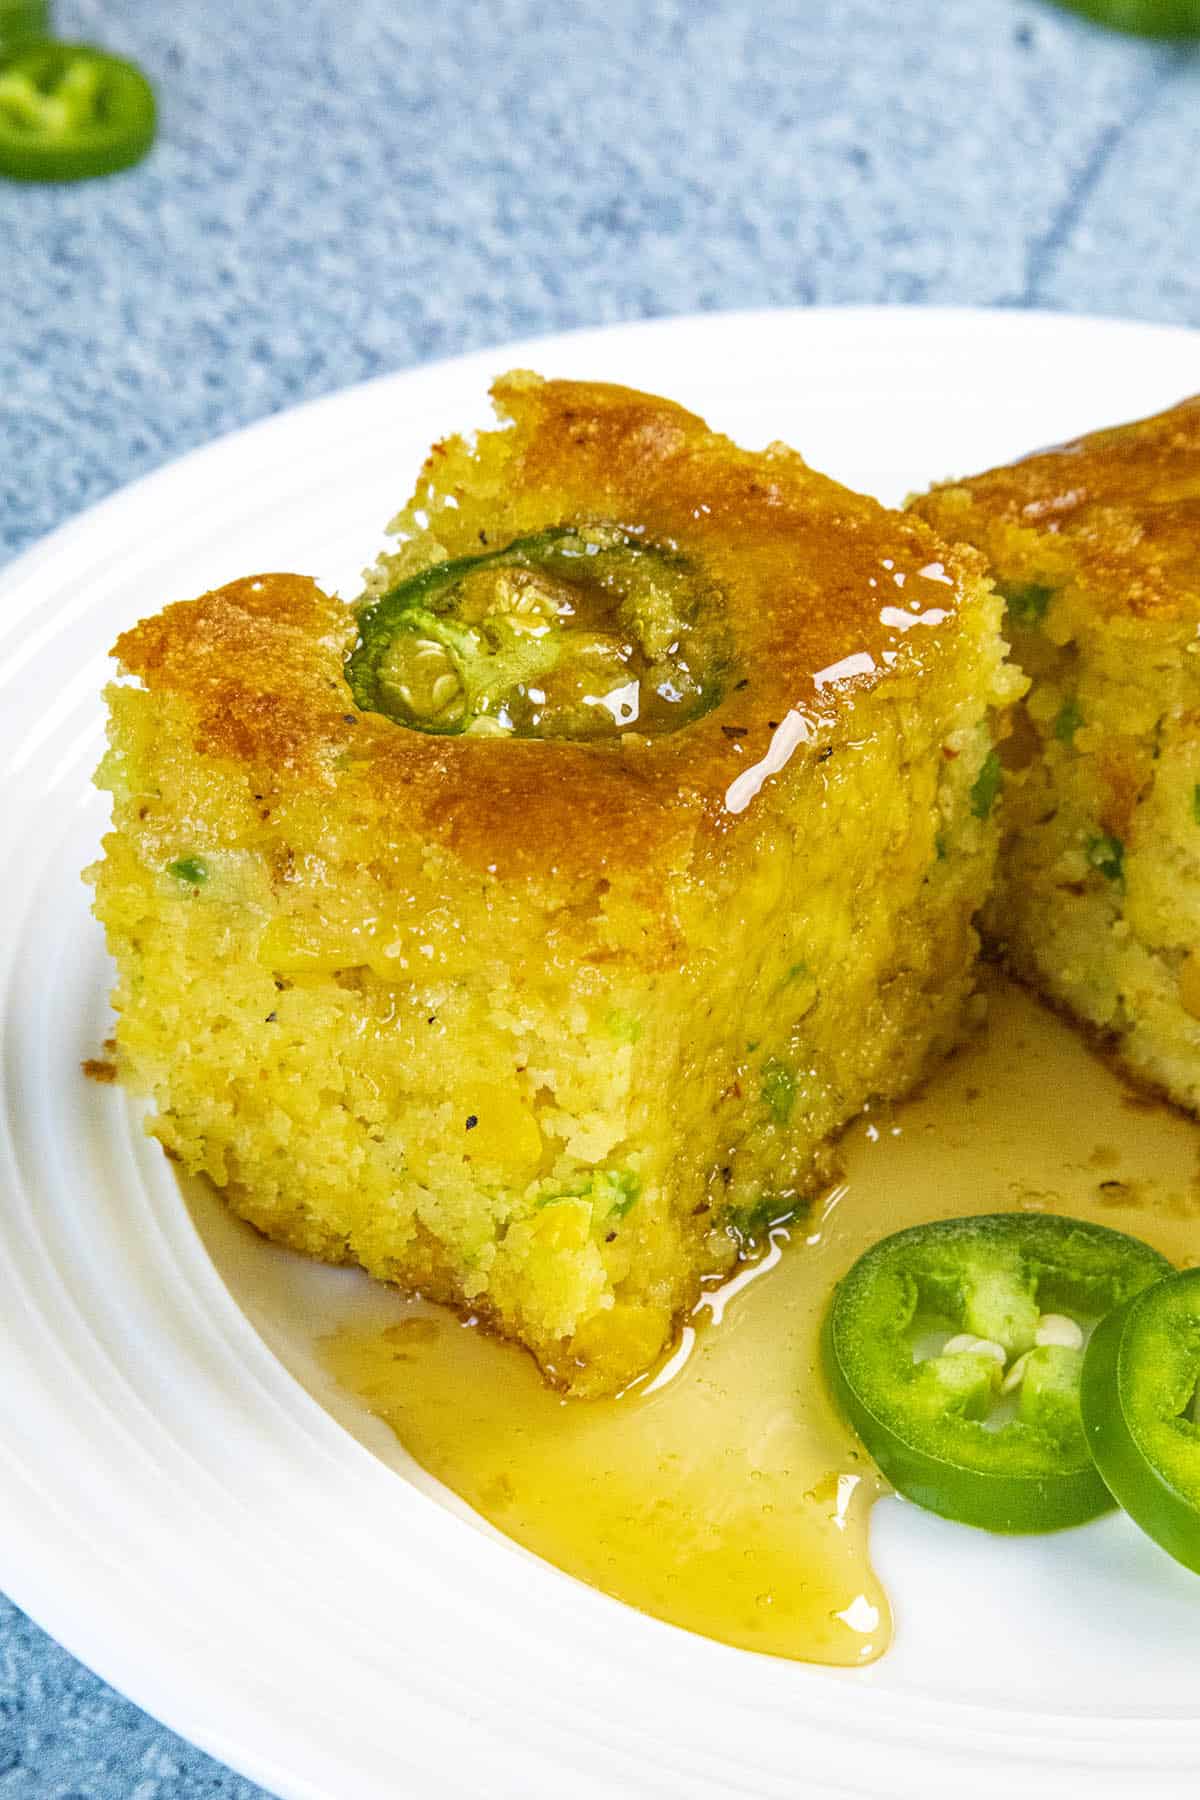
[{"x": 184, "y": 1502}]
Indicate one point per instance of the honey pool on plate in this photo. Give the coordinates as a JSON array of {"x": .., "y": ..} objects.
[{"x": 724, "y": 1495}]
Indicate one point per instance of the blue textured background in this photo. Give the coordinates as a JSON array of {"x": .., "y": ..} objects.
[{"x": 344, "y": 187}]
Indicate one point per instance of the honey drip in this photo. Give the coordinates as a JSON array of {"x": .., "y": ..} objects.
[{"x": 724, "y": 1495}]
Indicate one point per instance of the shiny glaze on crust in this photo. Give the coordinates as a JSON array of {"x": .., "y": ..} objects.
[
  {"x": 827, "y": 592},
  {"x": 1116, "y": 512}
]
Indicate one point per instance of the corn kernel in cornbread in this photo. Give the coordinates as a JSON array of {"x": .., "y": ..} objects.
[
  {"x": 1097, "y": 547},
  {"x": 526, "y": 934}
]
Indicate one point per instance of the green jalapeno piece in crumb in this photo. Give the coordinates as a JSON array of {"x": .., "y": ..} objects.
[
  {"x": 573, "y": 632},
  {"x": 956, "y": 1351},
  {"x": 987, "y": 785},
  {"x": 192, "y": 871}
]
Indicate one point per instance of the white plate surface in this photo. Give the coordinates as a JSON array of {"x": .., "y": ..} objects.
[{"x": 183, "y": 1500}]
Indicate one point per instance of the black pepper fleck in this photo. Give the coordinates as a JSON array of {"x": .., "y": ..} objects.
[
  {"x": 472, "y": 1122},
  {"x": 825, "y": 754},
  {"x": 349, "y": 719},
  {"x": 734, "y": 731},
  {"x": 270, "y": 1018},
  {"x": 610, "y": 1237}
]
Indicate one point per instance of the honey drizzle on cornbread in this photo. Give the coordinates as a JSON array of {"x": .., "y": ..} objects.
[{"x": 723, "y": 1495}]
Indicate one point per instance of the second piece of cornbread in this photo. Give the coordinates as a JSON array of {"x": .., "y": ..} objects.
[{"x": 1096, "y": 546}]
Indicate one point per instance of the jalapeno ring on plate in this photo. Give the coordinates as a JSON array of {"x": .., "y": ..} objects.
[
  {"x": 1138, "y": 1397},
  {"x": 955, "y": 1350}
]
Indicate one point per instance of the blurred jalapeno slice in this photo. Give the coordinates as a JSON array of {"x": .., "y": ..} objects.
[
  {"x": 23, "y": 21},
  {"x": 68, "y": 111},
  {"x": 576, "y": 631},
  {"x": 955, "y": 1350},
  {"x": 1146, "y": 18},
  {"x": 1140, "y": 1379}
]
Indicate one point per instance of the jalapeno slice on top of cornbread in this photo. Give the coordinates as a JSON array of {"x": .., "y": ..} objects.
[
  {"x": 1096, "y": 546},
  {"x": 525, "y": 933},
  {"x": 579, "y": 631}
]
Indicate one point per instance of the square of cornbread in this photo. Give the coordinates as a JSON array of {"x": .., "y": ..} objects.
[
  {"x": 548, "y": 1004},
  {"x": 1096, "y": 545}
]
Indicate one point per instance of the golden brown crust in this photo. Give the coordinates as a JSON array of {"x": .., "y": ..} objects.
[
  {"x": 1118, "y": 511},
  {"x": 260, "y": 662},
  {"x": 812, "y": 574}
]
